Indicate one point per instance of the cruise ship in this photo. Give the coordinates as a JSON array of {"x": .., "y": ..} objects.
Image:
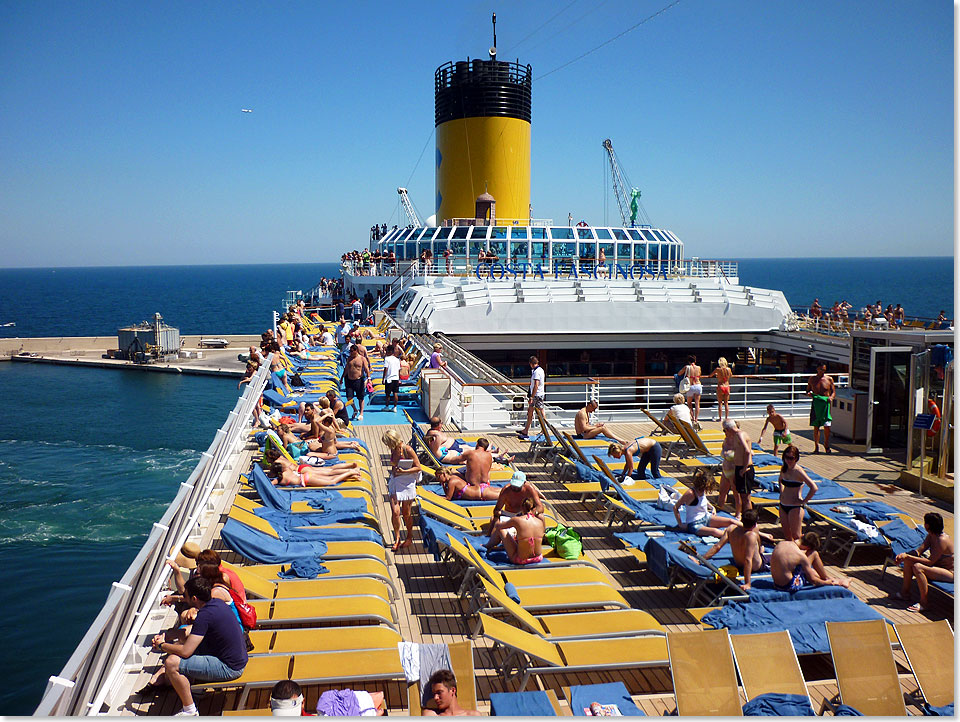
[{"x": 638, "y": 620}]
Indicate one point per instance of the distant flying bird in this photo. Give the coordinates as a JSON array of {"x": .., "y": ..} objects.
[{"x": 246, "y": 110}]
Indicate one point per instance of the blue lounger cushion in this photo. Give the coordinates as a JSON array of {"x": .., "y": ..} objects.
[
  {"x": 773, "y": 704},
  {"x": 803, "y": 619},
  {"x": 583, "y": 695},
  {"x": 264, "y": 549},
  {"x": 521, "y": 704}
]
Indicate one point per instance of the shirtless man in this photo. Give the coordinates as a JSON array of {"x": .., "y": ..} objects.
[
  {"x": 355, "y": 372},
  {"x": 443, "y": 687},
  {"x": 781, "y": 434},
  {"x": 479, "y": 460},
  {"x": 510, "y": 503},
  {"x": 449, "y": 450},
  {"x": 821, "y": 390},
  {"x": 586, "y": 430},
  {"x": 745, "y": 544},
  {"x": 737, "y": 448},
  {"x": 794, "y": 566}
]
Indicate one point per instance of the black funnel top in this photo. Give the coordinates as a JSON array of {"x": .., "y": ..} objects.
[{"x": 481, "y": 89}]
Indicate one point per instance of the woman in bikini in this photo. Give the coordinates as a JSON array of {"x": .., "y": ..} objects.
[
  {"x": 456, "y": 488},
  {"x": 526, "y": 547},
  {"x": 723, "y": 373},
  {"x": 700, "y": 517},
  {"x": 283, "y": 473},
  {"x": 792, "y": 480},
  {"x": 937, "y": 567},
  {"x": 649, "y": 451},
  {"x": 693, "y": 372}
]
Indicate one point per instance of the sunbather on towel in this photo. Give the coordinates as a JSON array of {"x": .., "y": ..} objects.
[
  {"x": 449, "y": 450},
  {"x": 649, "y": 451},
  {"x": 457, "y": 488},
  {"x": 586, "y": 430},
  {"x": 794, "y": 566},
  {"x": 330, "y": 445},
  {"x": 510, "y": 503},
  {"x": 745, "y": 543},
  {"x": 306, "y": 475},
  {"x": 938, "y": 566}
]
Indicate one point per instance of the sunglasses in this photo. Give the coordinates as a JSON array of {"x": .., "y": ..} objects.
[{"x": 790, "y": 458}]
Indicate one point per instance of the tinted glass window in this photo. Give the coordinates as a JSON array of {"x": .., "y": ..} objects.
[
  {"x": 623, "y": 251},
  {"x": 583, "y": 233},
  {"x": 639, "y": 252},
  {"x": 561, "y": 233},
  {"x": 479, "y": 232},
  {"x": 538, "y": 251},
  {"x": 588, "y": 250},
  {"x": 518, "y": 251},
  {"x": 411, "y": 247},
  {"x": 538, "y": 232},
  {"x": 476, "y": 247},
  {"x": 405, "y": 233},
  {"x": 662, "y": 237},
  {"x": 499, "y": 232},
  {"x": 648, "y": 235},
  {"x": 654, "y": 250},
  {"x": 500, "y": 248},
  {"x": 620, "y": 234},
  {"x": 444, "y": 233},
  {"x": 563, "y": 250},
  {"x": 458, "y": 248},
  {"x": 461, "y": 231},
  {"x": 602, "y": 233},
  {"x": 518, "y": 232},
  {"x": 607, "y": 249}
]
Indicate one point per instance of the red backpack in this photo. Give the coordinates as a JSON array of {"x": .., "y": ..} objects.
[{"x": 248, "y": 615}]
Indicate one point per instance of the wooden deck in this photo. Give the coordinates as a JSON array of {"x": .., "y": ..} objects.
[{"x": 429, "y": 611}]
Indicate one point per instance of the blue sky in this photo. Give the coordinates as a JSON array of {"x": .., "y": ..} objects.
[{"x": 752, "y": 128}]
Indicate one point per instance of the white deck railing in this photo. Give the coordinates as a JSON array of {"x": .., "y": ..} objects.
[{"x": 113, "y": 643}]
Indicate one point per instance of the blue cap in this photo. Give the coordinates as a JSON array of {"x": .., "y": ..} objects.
[{"x": 518, "y": 479}]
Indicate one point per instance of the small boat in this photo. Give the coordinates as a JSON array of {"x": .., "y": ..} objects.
[
  {"x": 9, "y": 323},
  {"x": 213, "y": 343}
]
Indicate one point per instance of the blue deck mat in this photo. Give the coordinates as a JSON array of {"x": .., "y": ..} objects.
[
  {"x": 803, "y": 619},
  {"x": 521, "y": 704}
]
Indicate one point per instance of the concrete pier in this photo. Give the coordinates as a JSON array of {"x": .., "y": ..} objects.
[{"x": 89, "y": 351}]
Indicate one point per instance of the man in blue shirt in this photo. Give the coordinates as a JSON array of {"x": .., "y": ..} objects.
[{"x": 215, "y": 650}]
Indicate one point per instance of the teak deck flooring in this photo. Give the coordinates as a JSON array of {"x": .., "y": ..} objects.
[{"x": 429, "y": 611}]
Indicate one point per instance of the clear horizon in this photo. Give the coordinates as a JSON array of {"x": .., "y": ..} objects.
[{"x": 753, "y": 130}]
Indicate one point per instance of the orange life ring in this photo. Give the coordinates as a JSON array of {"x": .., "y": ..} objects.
[{"x": 935, "y": 410}]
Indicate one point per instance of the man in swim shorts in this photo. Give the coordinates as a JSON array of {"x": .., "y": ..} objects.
[
  {"x": 739, "y": 443},
  {"x": 355, "y": 372},
  {"x": 746, "y": 546},
  {"x": 821, "y": 390},
  {"x": 781, "y": 434},
  {"x": 793, "y": 566},
  {"x": 586, "y": 430}
]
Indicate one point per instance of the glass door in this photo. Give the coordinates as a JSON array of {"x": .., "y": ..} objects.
[{"x": 888, "y": 417}]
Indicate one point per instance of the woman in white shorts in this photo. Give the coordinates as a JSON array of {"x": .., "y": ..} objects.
[
  {"x": 692, "y": 372},
  {"x": 405, "y": 474}
]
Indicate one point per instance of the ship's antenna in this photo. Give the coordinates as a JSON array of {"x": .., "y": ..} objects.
[{"x": 494, "y": 33}]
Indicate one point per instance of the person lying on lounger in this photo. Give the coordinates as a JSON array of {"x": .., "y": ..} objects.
[
  {"x": 794, "y": 566},
  {"x": 457, "y": 488},
  {"x": 938, "y": 566},
  {"x": 449, "y": 450},
  {"x": 282, "y": 473}
]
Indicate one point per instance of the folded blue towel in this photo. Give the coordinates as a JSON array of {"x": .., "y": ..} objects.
[
  {"x": 774, "y": 704},
  {"x": 264, "y": 549},
  {"x": 945, "y": 711}
]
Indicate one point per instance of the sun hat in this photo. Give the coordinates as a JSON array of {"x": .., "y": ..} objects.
[
  {"x": 518, "y": 479},
  {"x": 187, "y": 558}
]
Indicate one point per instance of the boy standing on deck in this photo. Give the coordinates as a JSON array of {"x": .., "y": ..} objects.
[{"x": 781, "y": 434}]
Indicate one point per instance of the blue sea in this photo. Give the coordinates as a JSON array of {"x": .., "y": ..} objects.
[{"x": 89, "y": 458}]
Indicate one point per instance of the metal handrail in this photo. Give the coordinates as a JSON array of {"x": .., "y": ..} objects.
[{"x": 88, "y": 677}]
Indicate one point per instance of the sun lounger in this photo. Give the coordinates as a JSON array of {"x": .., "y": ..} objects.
[
  {"x": 323, "y": 639},
  {"x": 310, "y": 518},
  {"x": 334, "y": 569},
  {"x": 339, "y": 668},
  {"x": 928, "y": 647},
  {"x": 581, "y": 696},
  {"x": 312, "y": 499},
  {"x": 461, "y": 663},
  {"x": 845, "y": 535},
  {"x": 866, "y": 670},
  {"x": 536, "y": 703},
  {"x": 317, "y": 611},
  {"x": 576, "y": 625},
  {"x": 768, "y": 665},
  {"x": 265, "y": 546},
  {"x": 804, "y": 619},
  {"x": 327, "y": 586},
  {"x": 704, "y": 678},
  {"x": 288, "y": 529},
  {"x": 527, "y": 654}
]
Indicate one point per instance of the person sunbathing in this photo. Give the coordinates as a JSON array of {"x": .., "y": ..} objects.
[
  {"x": 443, "y": 687},
  {"x": 456, "y": 488},
  {"x": 649, "y": 451},
  {"x": 794, "y": 566},
  {"x": 522, "y": 535},
  {"x": 449, "y": 450},
  {"x": 329, "y": 427},
  {"x": 938, "y": 566},
  {"x": 306, "y": 475},
  {"x": 510, "y": 503},
  {"x": 586, "y": 430}
]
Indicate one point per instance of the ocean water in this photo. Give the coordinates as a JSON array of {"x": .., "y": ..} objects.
[
  {"x": 195, "y": 299},
  {"x": 89, "y": 459}
]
